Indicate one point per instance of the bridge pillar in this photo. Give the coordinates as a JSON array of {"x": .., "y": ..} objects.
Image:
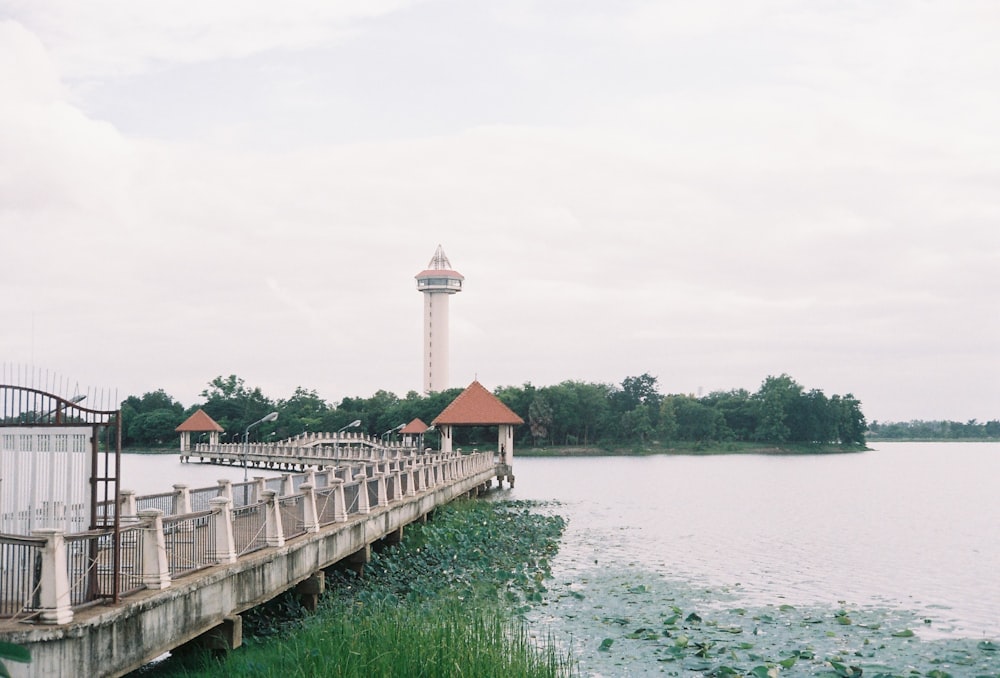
[
  {"x": 309, "y": 590},
  {"x": 224, "y": 548},
  {"x": 287, "y": 485},
  {"x": 310, "y": 519},
  {"x": 53, "y": 585},
  {"x": 155, "y": 568},
  {"x": 274, "y": 532},
  {"x": 182, "y": 500},
  {"x": 357, "y": 560}
]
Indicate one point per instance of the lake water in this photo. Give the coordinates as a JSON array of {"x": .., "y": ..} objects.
[{"x": 914, "y": 526}]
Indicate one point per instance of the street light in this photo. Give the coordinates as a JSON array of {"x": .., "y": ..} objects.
[
  {"x": 246, "y": 440},
  {"x": 353, "y": 424},
  {"x": 394, "y": 428}
]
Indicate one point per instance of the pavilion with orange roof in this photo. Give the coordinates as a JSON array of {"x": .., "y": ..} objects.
[
  {"x": 475, "y": 406},
  {"x": 199, "y": 422}
]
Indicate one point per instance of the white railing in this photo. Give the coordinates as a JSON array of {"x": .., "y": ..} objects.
[{"x": 168, "y": 535}]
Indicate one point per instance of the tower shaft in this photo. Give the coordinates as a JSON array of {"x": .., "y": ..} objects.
[{"x": 437, "y": 282}]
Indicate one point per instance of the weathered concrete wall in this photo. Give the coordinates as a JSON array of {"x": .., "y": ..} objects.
[{"x": 103, "y": 641}]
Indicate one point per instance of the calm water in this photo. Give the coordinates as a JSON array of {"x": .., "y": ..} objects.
[{"x": 909, "y": 525}]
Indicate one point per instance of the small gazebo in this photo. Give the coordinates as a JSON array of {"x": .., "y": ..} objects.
[
  {"x": 413, "y": 433},
  {"x": 199, "y": 422},
  {"x": 475, "y": 406}
]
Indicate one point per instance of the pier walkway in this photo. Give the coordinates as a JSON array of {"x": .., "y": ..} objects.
[{"x": 189, "y": 561}]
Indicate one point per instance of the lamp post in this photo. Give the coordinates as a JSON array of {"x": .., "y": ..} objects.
[
  {"x": 353, "y": 424},
  {"x": 393, "y": 429},
  {"x": 246, "y": 441}
]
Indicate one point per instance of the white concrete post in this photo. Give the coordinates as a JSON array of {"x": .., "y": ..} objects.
[
  {"x": 126, "y": 505},
  {"x": 411, "y": 479},
  {"x": 259, "y": 487},
  {"x": 155, "y": 567},
  {"x": 53, "y": 588},
  {"x": 273, "y": 529},
  {"x": 224, "y": 548},
  {"x": 363, "y": 504},
  {"x": 182, "y": 500},
  {"x": 310, "y": 518},
  {"x": 287, "y": 485},
  {"x": 226, "y": 489},
  {"x": 339, "y": 501},
  {"x": 383, "y": 498}
]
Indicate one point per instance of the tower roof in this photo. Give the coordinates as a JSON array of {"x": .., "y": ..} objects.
[
  {"x": 475, "y": 406},
  {"x": 199, "y": 422},
  {"x": 439, "y": 267}
]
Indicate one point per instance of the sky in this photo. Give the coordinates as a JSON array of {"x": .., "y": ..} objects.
[{"x": 708, "y": 191}]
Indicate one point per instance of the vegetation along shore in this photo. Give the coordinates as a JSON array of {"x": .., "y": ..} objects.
[{"x": 444, "y": 602}]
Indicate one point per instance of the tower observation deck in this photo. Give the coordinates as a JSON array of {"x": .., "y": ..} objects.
[{"x": 437, "y": 282}]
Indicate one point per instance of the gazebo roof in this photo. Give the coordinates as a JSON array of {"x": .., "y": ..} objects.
[
  {"x": 475, "y": 406},
  {"x": 415, "y": 427},
  {"x": 199, "y": 422}
]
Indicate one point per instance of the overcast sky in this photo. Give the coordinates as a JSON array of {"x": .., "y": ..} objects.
[{"x": 710, "y": 191}]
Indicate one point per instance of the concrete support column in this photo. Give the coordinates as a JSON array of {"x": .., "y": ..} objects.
[
  {"x": 274, "y": 531},
  {"x": 309, "y": 590},
  {"x": 155, "y": 567},
  {"x": 363, "y": 506},
  {"x": 287, "y": 485},
  {"x": 182, "y": 500},
  {"x": 224, "y": 548},
  {"x": 310, "y": 518},
  {"x": 53, "y": 586},
  {"x": 126, "y": 506}
]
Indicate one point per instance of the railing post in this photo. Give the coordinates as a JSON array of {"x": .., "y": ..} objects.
[
  {"x": 224, "y": 548},
  {"x": 53, "y": 586},
  {"x": 411, "y": 478},
  {"x": 383, "y": 496},
  {"x": 310, "y": 518},
  {"x": 287, "y": 485},
  {"x": 363, "y": 504},
  {"x": 274, "y": 531},
  {"x": 339, "y": 500},
  {"x": 182, "y": 500},
  {"x": 126, "y": 505},
  {"x": 259, "y": 487},
  {"x": 155, "y": 567},
  {"x": 226, "y": 489}
]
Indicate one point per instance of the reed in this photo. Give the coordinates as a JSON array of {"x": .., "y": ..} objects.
[{"x": 442, "y": 603}]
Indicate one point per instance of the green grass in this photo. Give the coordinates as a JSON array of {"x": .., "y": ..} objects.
[{"x": 442, "y": 603}]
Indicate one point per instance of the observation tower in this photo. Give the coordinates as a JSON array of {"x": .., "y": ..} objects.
[{"x": 437, "y": 282}]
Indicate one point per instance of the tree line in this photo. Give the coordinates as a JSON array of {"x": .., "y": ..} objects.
[
  {"x": 633, "y": 413},
  {"x": 935, "y": 430}
]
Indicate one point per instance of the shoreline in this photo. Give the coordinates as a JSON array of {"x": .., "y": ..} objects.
[{"x": 688, "y": 449}]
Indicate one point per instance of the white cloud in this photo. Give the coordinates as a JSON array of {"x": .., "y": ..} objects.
[{"x": 827, "y": 215}]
